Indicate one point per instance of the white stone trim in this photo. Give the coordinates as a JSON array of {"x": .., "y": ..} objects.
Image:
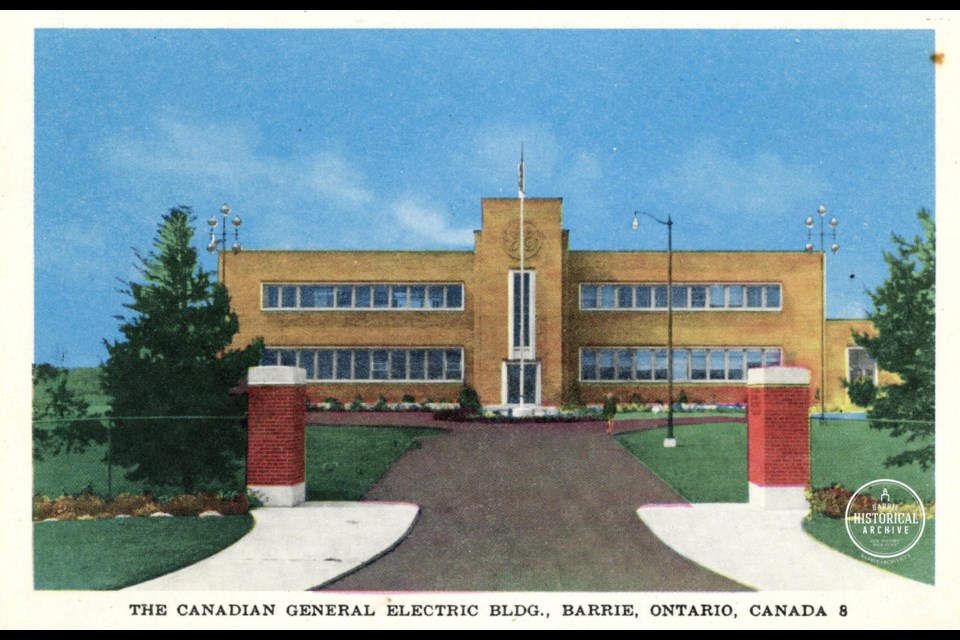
[
  {"x": 778, "y": 376},
  {"x": 276, "y": 376},
  {"x": 280, "y": 496},
  {"x": 789, "y": 498}
]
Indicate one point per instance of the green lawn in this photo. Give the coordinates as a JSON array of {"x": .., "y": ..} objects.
[
  {"x": 112, "y": 554},
  {"x": 851, "y": 453},
  {"x": 709, "y": 463},
  {"x": 916, "y": 564},
  {"x": 343, "y": 463},
  {"x": 72, "y": 473},
  {"x": 649, "y": 415}
]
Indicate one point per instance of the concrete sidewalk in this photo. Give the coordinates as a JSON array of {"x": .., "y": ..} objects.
[
  {"x": 764, "y": 549},
  {"x": 298, "y": 548}
]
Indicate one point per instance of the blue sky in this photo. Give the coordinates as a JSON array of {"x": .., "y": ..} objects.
[{"x": 389, "y": 139}]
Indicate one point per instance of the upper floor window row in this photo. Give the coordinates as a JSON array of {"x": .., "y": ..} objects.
[
  {"x": 701, "y": 297},
  {"x": 363, "y": 297}
]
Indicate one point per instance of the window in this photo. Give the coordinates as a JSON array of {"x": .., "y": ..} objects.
[
  {"x": 363, "y": 297},
  {"x": 686, "y": 297},
  {"x": 860, "y": 365},
  {"x": 697, "y": 364},
  {"x": 364, "y": 364}
]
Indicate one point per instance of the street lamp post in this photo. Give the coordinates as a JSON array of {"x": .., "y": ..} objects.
[
  {"x": 222, "y": 240},
  {"x": 834, "y": 247},
  {"x": 670, "y": 441}
]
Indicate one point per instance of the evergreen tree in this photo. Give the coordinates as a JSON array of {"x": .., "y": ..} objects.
[
  {"x": 173, "y": 362},
  {"x": 904, "y": 317}
]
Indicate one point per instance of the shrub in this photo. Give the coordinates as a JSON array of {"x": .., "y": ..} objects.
[
  {"x": 333, "y": 404},
  {"x": 832, "y": 501},
  {"x": 609, "y": 407},
  {"x": 470, "y": 401},
  {"x": 408, "y": 399},
  {"x": 357, "y": 404},
  {"x": 381, "y": 404},
  {"x": 682, "y": 398},
  {"x": 574, "y": 397}
]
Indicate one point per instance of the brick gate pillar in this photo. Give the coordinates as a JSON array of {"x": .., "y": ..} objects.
[
  {"x": 276, "y": 420},
  {"x": 778, "y": 436}
]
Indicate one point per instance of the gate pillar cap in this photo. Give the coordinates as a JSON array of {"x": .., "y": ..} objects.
[
  {"x": 778, "y": 376},
  {"x": 276, "y": 376}
]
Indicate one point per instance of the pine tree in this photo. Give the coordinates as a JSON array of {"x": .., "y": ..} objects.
[
  {"x": 904, "y": 316},
  {"x": 173, "y": 361}
]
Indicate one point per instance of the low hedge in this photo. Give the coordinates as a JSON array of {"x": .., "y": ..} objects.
[{"x": 86, "y": 506}]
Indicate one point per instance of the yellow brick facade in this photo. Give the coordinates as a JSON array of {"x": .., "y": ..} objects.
[{"x": 561, "y": 329}]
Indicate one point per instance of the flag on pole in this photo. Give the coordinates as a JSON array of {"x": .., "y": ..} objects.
[{"x": 520, "y": 179}]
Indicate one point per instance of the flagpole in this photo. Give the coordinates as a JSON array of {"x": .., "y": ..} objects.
[{"x": 522, "y": 285}]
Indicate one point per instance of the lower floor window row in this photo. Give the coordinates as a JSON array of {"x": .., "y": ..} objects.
[
  {"x": 348, "y": 365},
  {"x": 689, "y": 364}
]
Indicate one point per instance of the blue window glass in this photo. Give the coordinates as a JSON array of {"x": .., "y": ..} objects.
[
  {"x": 607, "y": 370},
  {"x": 398, "y": 364},
  {"x": 754, "y": 297},
  {"x": 771, "y": 357},
  {"x": 271, "y": 297},
  {"x": 680, "y": 364},
  {"x": 625, "y": 297},
  {"x": 361, "y": 364},
  {"x": 624, "y": 364},
  {"x": 345, "y": 297},
  {"x": 270, "y": 358},
  {"x": 660, "y": 364},
  {"x": 660, "y": 297},
  {"x": 698, "y": 364},
  {"x": 773, "y": 297},
  {"x": 289, "y": 297},
  {"x": 417, "y": 364},
  {"x": 454, "y": 296},
  {"x": 644, "y": 297},
  {"x": 344, "y": 364},
  {"x": 588, "y": 364},
  {"x": 380, "y": 363},
  {"x": 754, "y": 358},
  {"x": 698, "y": 297},
  {"x": 718, "y": 364},
  {"x": 363, "y": 297},
  {"x": 736, "y": 296},
  {"x": 435, "y": 297},
  {"x": 735, "y": 365},
  {"x": 325, "y": 364},
  {"x": 306, "y": 363},
  {"x": 454, "y": 364},
  {"x": 418, "y": 297},
  {"x": 588, "y": 296},
  {"x": 644, "y": 364},
  {"x": 288, "y": 358},
  {"x": 718, "y": 297},
  {"x": 525, "y": 329},
  {"x": 381, "y": 296},
  {"x": 399, "y": 299},
  {"x": 434, "y": 365},
  {"x": 680, "y": 297},
  {"x": 607, "y": 297}
]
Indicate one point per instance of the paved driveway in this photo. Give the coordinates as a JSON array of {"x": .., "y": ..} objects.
[{"x": 527, "y": 508}]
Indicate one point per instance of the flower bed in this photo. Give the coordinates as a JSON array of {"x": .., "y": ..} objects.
[{"x": 91, "y": 507}]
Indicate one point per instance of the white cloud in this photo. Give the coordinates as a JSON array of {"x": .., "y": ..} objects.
[
  {"x": 712, "y": 179},
  {"x": 333, "y": 176},
  {"x": 430, "y": 225}
]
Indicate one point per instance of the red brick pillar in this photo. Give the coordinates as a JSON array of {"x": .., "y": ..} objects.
[
  {"x": 276, "y": 419},
  {"x": 778, "y": 436}
]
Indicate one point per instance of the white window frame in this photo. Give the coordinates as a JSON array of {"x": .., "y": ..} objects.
[
  {"x": 353, "y": 297},
  {"x": 653, "y": 308},
  {"x": 876, "y": 369},
  {"x": 689, "y": 351},
  {"x": 371, "y": 380},
  {"x": 504, "y": 391}
]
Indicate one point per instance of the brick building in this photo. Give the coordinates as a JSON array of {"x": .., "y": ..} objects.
[{"x": 424, "y": 323}]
